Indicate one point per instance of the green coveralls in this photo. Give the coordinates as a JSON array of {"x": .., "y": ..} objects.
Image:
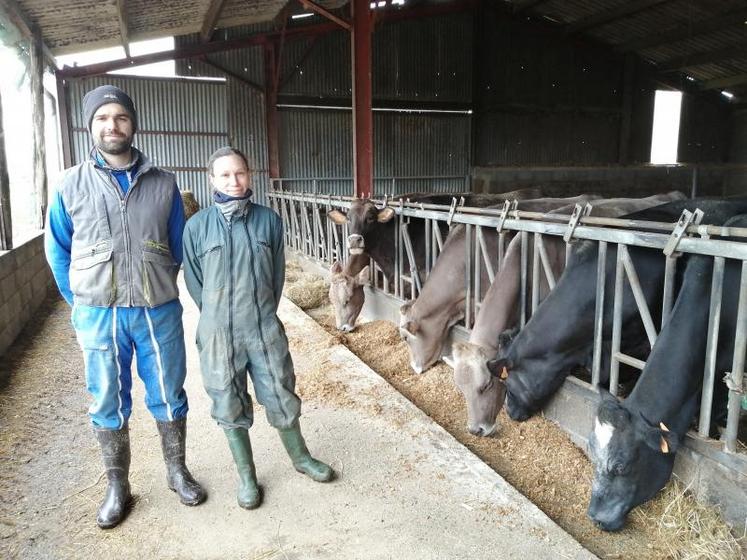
[{"x": 235, "y": 273}]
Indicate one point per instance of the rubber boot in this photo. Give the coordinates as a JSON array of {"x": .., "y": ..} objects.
[
  {"x": 299, "y": 454},
  {"x": 248, "y": 496},
  {"x": 115, "y": 451},
  {"x": 180, "y": 480}
]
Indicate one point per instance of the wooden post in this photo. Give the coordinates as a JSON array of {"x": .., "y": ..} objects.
[
  {"x": 362, "y": 113},
  {"x": 271, "y": 111},
  {"x": 6, "y": 226},
  {"x": 63, "y": 113},
  {"x": 37, "y": 116}
]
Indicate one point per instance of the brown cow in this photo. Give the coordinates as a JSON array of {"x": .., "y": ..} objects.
[
  {"x": 373, "y": 230},
  {"x": 425, "y": 322},
  {"x": 346, "y": 290}
]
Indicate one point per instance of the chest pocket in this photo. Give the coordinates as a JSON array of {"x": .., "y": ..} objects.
[
  {"x": 213, "y": 265},
  {"x": 263, "y": 263}
]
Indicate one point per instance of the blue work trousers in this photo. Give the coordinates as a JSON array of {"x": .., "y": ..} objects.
[{"x": 109, "y": 336}]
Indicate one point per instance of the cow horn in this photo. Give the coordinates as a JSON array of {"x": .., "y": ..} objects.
[{"x": 663, "y": 427}]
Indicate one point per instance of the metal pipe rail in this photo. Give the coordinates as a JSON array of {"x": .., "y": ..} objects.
[{"x": 323, "y": 242}]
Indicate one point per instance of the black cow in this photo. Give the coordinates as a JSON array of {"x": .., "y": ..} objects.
[
  {"x": 560, "y": 334},
  {"x": 373, "y": 230},
  {"x": 633, "y": 443}
]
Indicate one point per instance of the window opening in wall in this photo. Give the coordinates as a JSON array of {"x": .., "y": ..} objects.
[
  {"x": 164, "y": 69},
  {"x": 666, "y": 129}
]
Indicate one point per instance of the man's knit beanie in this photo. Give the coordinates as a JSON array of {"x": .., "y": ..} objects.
[{"x": 103, "y": 95}]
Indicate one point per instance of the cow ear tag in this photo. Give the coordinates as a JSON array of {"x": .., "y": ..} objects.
[
  {"x": 663, "y": 445},
  {"x": 504, "y": 373}
]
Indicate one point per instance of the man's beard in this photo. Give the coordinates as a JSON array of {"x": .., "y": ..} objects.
[{"x": 114, "y": 147}]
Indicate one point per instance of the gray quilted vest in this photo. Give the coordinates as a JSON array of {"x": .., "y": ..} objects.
[{"x": 120, "y": 252}]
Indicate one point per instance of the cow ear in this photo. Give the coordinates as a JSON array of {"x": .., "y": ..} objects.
[
  {"x": 505, "y": 339},
  {"x": 337, "y": 217},
  {"x": 499, "y": 367},
  {"x": 385, "y": 215},
  {"x": 457, "y": 350},
  {"x": 661, "y": 439},
  {"x": 336, "y": 268},
  {"x": 405, "y": 307},
  {"x": 362, "y": 277}
]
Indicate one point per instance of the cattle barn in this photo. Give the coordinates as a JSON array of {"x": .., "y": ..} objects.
[{"x": 515, "y": 295}]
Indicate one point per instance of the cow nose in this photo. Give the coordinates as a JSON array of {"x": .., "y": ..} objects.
[
  {"x": 356, "y": 241},
  {"x": 475, "y": 430},
  {"x": 346, "y": 328}
]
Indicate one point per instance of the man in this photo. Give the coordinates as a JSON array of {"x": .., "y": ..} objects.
[
  {"x": 234, "y": 267},
  {"x": 114, "y": 245}
]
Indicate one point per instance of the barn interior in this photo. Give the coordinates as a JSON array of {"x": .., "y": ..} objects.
[{"x": 378, "y": 98}]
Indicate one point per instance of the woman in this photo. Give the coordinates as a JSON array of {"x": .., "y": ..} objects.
[{"x": 234, "y": 267}]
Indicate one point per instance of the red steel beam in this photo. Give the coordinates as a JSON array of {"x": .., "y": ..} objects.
[
  {"x": 362, "y": 114},
  {"x": 271, "y": 112},
  {"x": 324, "y": 13}
]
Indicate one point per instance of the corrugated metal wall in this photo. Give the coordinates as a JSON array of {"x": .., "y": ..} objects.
[
  {"x": 180, "y": 124},
  {"x": 702, "y": 127},
  {"x": 318, "y": 143},
  {"x": 542, "y": 100}
]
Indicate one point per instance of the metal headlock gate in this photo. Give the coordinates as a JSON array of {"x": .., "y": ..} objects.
[{"x": 308, "y": 231}]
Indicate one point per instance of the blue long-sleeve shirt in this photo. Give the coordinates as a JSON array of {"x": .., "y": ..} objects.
[{"x": 59, "y": 232}]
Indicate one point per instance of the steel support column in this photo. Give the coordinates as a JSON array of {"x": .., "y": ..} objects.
[
  {"x": 362, "y": 115},
  {"x": 271, "y": 111}
]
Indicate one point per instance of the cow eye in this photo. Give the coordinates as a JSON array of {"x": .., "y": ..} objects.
[{"x": 619, "y": 469}]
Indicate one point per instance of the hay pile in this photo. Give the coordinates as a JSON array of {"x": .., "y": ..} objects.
[
  {"x": 191, "y": 206},
  {"x": 687, "y": 529},
  {"x": 305, "y": 290}
]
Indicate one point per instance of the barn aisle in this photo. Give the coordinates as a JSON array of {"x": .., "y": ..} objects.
[{"x": 406, "y": 488}]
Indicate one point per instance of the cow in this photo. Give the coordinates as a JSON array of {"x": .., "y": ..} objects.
[
  {"x": 373, "y": 229},
  {"x": 425, "y": 321},
  {"x": 560, "y": 334},
  {"x": 346, "y": 290},
  {"x": 499, "y": 312},
  {"x": 633, "y": 443}
]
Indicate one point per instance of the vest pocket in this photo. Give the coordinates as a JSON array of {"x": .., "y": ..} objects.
[
  {"x": 92, "y": 273},
  {"x": 212, "y": 264},
  {"x": 159, "y": 276}
]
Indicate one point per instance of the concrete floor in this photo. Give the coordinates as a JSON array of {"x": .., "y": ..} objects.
[{"x": 406, "y": 489}]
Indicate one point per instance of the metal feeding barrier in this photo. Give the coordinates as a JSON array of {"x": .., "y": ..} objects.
[{"x": 311, "y": 233}]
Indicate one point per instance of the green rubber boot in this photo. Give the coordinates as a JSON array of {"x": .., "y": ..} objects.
[
  {"x": 302, "y": 459},
  {"x": 248, "y": 496}
]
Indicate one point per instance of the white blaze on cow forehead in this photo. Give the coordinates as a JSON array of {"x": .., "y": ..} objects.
[{"x": 603, "y": 433}]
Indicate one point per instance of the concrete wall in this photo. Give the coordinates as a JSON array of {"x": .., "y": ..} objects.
[
  {"x": 605, "y": 180},
  {"x": 25, "y": 279}
]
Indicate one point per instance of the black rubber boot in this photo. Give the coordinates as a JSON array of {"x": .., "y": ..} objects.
[
  {"x": 249, "y": 495},
  {"x": 115, "y": 451},
  {"x": 302, "y": 459},
  {"x": 173, "y": 445}
]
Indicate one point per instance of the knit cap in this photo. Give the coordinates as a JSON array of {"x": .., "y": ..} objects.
[{"x": 103, "y": 95}]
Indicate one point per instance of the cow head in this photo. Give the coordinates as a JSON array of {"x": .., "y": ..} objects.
[
  {"x": 517, "y": 405},
  {"x": 362, "y": 218},
  {"x": 425, "y": 336},
  {"x": 483, "y": 392},
  {"x": 346, "y": 295},
  {"x": 632, "y": 460}
]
